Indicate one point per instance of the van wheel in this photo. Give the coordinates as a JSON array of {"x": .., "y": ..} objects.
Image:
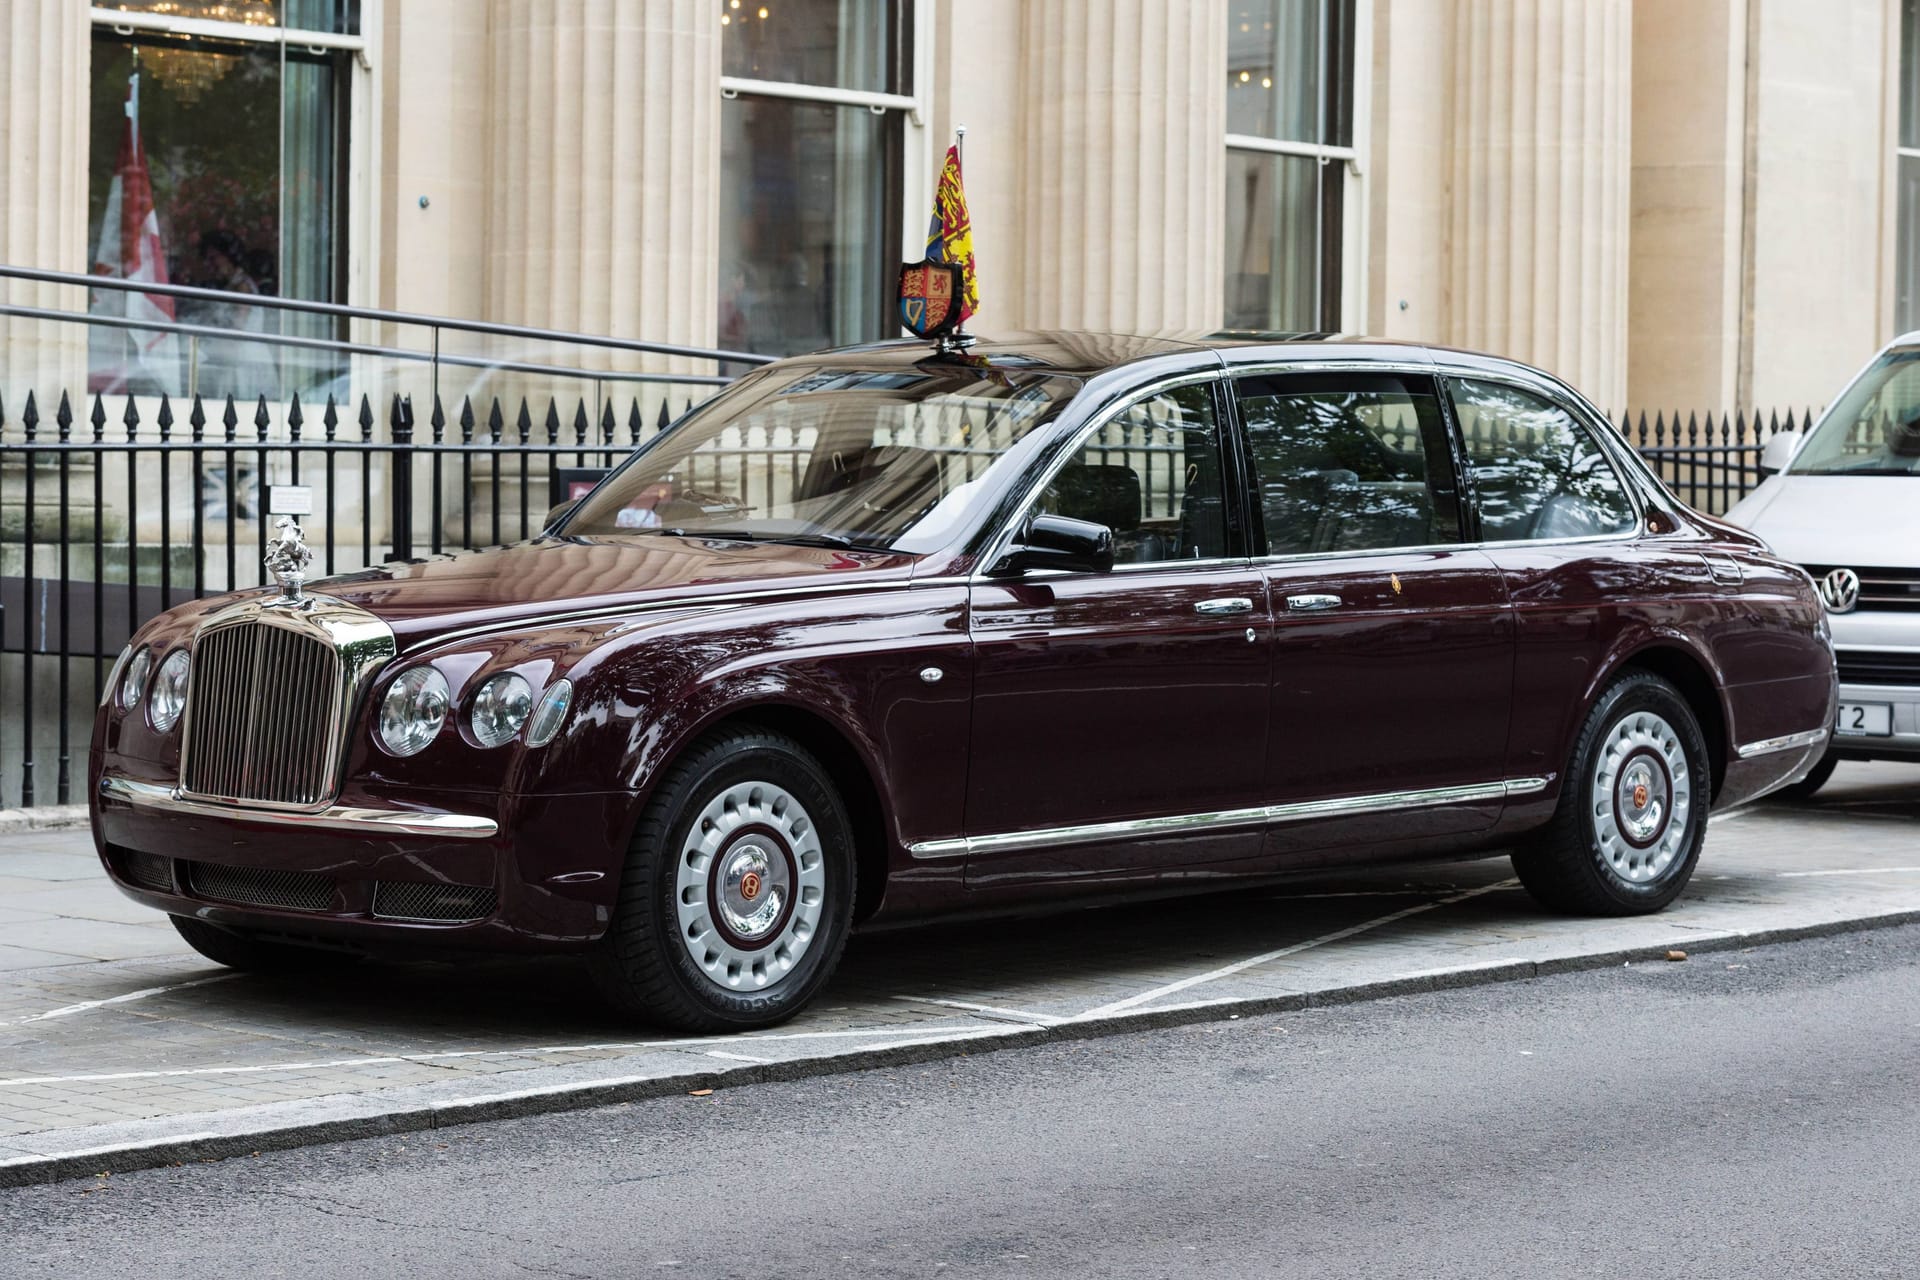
[
  {"x": 738, "y": 889},
  {"x": 1633, "y": 807}
]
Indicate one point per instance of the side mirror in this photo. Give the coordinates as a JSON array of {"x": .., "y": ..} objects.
[
  {"x": 557, "y": 512},
  {"x": 1059, "y": 542},
  {"x": 1779, "y": 451}
]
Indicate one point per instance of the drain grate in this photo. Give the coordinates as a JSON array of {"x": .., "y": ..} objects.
[
  {"x": 260, "y": 887},
  {"x": 401, "y": 900}
]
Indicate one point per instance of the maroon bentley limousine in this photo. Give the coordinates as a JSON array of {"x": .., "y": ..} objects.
[{"x": 882, "y": 634}]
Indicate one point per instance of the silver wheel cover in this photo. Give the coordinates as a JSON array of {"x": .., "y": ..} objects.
[
  {"x": 749, "y": 885},
  {"x": 1641, "y": 798}
]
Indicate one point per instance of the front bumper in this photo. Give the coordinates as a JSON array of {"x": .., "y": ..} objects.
[
  {"x": 1883, "y": 644},
  {"x": 1902, "y": 743},
  {"x": 375, "y": 873}
]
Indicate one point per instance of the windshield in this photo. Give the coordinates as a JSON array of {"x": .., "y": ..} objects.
[
  {"x": 863, "y": 459},
  {"x": 1874, "y": 429}
]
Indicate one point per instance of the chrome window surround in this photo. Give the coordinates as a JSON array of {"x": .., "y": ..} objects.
[
  {"x": 1767, "y": 746},
  {"x": 412, "y": 822},
  {"x": 1225, "y": 819},
  {"x": 363, "y": 644}
]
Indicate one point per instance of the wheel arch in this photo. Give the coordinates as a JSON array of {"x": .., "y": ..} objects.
[{"x": 1686, "y": 671}]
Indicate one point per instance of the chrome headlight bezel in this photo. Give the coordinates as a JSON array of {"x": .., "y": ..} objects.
[
  {"x": 167, "y": 698},
  {"x": 412, "y": 711},
  {"x": 499, "y": 709}
]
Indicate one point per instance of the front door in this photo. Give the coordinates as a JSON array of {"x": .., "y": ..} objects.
[
  {"x": 1393, "y": 641},
  {"x": 1119, "y": 719}
]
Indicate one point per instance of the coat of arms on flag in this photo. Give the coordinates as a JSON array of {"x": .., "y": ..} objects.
[{"x": 939, "y": 292}]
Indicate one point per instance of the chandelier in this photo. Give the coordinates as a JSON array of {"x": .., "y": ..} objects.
[{"x": 188, "y": 72}]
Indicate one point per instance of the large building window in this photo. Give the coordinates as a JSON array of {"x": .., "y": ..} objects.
[
  {"x": 1906, "y": 294},
  {"x": 810, "y": 157},
  {"x": 218, "y": 154},
  {"x": 1289, "y": 141}
]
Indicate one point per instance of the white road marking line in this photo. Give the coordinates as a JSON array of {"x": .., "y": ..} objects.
[
  {"x": 1848, "y": 871},
  {"x": 129, "y": 997},
  {"x": 1338, "y": 935},
  {"x": 387, "y": 1060},
  {"x": 735, "y": 1057},
  {"x": 1021, "y": 1015}
]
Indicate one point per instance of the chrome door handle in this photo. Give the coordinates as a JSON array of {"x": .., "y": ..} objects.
[
  {"x": 1226, "y": 604},
  {"x": 1310, "y": 602}
]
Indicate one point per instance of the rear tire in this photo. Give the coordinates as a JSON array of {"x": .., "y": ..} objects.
[
  {"x": 249, "y": 954},
  {"x": 1804, "y": 789},
  {"x": 1633, "y": 807},
  {"x": 738, "y": 890}
]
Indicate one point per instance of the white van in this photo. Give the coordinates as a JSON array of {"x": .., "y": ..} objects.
[{"x": 1844, "y": 502}]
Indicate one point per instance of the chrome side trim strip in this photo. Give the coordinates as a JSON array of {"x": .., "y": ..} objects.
[
  {"x": 411, "y": 822},
  {"x": 1767, "y": 746},
  {"x": 1223, "y": 820}
]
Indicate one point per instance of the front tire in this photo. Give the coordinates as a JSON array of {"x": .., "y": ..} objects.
[
  {"x": 738, "y": 889},
  {"x": 1633, "y": 807}
]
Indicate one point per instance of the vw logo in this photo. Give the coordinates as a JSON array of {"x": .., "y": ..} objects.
[{"x": 1841, "y": 590}]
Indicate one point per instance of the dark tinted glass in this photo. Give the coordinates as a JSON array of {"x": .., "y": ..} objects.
[
  {"x": 1349, "y": 462},
  {"x": 1538, "y": 473},
  {"x": 1152, "y": 475}
]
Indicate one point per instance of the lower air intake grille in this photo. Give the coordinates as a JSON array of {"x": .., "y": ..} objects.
[
  {"x": 257, "y": 887},
  {"x": 1861, "y": 666},
  {"x": 399, "y": 900},
  {"x": 148, "y": 870}
]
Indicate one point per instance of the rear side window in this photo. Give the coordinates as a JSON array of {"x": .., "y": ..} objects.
[
  {"x": 1349, "y": 462},
  {"x": 1537, "y": 471}
]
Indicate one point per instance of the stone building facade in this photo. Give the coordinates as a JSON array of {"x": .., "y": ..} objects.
[{"x": 1694, "y": 203}]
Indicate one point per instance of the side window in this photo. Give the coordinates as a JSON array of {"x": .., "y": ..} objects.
[
  {"x": 1349, "y": 462},
  {"x": 1152, "y": 475},
  {"x": 1537, "y": 471}
]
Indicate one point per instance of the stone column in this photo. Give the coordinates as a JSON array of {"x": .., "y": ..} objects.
[
  {"x": 1539, "y": 213},
  {"x": 603, "y": 174},
  {"x": 1124, "y": 175},
  {"x": 43, "y": 194}
]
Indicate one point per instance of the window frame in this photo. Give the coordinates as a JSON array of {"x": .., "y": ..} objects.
[
  {"x": 1254, "y": 515},
  {"x": 1341, "y": 212},
  {"x": 1605, "y": 440}
]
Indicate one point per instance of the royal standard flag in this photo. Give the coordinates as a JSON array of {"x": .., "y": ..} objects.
[{"x": 950, "y": 235}]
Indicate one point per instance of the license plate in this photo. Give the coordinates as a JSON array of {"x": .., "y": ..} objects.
[{"x": 1865, "y": 720}]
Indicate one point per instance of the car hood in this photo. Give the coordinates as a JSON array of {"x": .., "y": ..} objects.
[
  {"x": 423, "y": 600},
  {"x": 1837, "y": 520}
]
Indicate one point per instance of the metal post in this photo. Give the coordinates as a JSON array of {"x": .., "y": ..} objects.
[{"x": 402, "y": 478}]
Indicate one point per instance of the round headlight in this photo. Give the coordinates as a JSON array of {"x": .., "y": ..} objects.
[
  {"x": 133, "y": 681},
  {"x": 413, "y": 711},
  {"x": 169, "y": 692},
  {"x": 499, "y": 709},
  {"x": 550, "y": 714}
]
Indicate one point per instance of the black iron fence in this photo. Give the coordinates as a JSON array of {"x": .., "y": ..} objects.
[{"x": 1710, "y": 461}]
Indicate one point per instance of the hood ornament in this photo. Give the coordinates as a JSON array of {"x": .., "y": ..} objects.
[{"x": 287, "y": 558}]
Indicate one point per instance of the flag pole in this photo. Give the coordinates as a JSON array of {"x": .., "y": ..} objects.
[{"x": 961, "y": 339}]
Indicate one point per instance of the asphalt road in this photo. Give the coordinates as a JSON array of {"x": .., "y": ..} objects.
[{"x": 1738, "y": 1114}]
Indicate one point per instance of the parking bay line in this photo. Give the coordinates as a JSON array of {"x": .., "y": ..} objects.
[
  {"x": 992, "y": 1010},
  {"x": 128, "y": 998},
  {"x": 1338, "y": 935},
  {"x": 1847, "y": 871}
]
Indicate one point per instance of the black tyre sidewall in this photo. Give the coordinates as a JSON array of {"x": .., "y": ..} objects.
[
  {"x": 1634, "y": 694},
  {"x": 753, "y": 758}
]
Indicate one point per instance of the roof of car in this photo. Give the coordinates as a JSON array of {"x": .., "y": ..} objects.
[{"x": 1083, "y": 353}]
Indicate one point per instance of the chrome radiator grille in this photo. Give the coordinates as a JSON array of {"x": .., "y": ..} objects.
[{"x": 261, "y": 708}]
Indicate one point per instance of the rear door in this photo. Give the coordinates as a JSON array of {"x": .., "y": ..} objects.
[
  {"x": 1120, "y": 719},
  {"x": 1393, "y": 639}
]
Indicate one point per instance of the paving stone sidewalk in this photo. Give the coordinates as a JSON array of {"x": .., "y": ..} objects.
[{"x": 116, "y": 1039}]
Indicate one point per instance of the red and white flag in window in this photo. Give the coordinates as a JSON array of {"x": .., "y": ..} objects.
[{"x": 130, "y": 249}]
